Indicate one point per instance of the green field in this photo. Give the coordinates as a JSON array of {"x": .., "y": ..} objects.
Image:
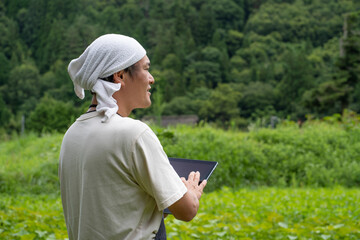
[
  {"x": 285, "y": 183},
  {"x": 273, "y": 213},
  {"x": 262, "y": 213}
]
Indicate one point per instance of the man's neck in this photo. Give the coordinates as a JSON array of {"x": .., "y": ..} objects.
[{"x": 122, "y": 111}]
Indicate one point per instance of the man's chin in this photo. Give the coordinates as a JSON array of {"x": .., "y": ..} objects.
[{"x": 147, "y": 105}]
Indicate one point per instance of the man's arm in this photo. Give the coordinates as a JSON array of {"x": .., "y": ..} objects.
[{"x": 186, "y": 207}]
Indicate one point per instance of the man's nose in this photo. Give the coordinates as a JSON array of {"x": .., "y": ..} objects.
[{"x": 152, "y": 80}]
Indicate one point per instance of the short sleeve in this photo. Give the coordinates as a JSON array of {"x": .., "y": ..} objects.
[{"x": 153, "y": 171}]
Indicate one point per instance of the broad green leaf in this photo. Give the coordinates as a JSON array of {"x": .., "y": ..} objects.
[
  {"x": 292, "y": 237},
  {"x": 325, "y": 237},
  {"x": 283, "y": 225}
]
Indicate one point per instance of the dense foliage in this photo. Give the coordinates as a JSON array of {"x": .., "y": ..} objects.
[
  {"x": 318, "y": 154},
  {"x": 268, "y": 213},
  {"x": 226, "y": 61},
  {"x": 248, "y": 214}
]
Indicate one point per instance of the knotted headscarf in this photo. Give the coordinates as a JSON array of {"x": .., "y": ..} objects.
[{"x": 105, "y": 56}]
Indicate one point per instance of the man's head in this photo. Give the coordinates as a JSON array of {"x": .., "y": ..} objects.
[
  {"x": 135, "y": 86},
  {"x": 107, "y": 55}
]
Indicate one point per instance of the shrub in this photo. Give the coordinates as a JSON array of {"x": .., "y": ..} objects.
[
  {"x": 51, "y": 115},
  {"x": 318, "y": 154}
]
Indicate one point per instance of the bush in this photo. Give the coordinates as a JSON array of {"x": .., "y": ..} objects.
[
  {"x": 51, "y": 115},
  {"x": 318, "y": 154}
]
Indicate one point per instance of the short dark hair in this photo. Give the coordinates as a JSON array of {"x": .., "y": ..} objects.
[
  {"x": 129, "y": 70},
  {"x": 110, "y": 78}
]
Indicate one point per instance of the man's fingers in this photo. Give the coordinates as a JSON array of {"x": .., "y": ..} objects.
[
  {"x": 191, "y": 176},
  {"x": 192, "y": 183},
  {"x": 203, "y": 184},
  {"x": 183, "y": 180},
  {"x": 197, "y": 177},
  {"x": 194, "y": 176},
  {"x": 194, "y": 180}
]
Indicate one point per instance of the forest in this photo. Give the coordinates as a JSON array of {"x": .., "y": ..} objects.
[{"x": 230, "y": 62}]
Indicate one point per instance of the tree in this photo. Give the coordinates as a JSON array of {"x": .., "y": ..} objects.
[
  {"x": 22, "y": 87},
  {"x": 5, "y": 69},
  {"x": 222, "y": 105},
  {"x": 298, "y": 21},
  {"x": 172, "y": 61},
  {"x": 165, "y": 44},
  {"x": 13, "y": 6},
  {"x": 257, "y": 97},
  {"x": 171, "y": 84},
  {"x": 327, "y": 98},
  {"x": 78, "y": 36},
  {"x": 234, "y": 41},
  {"x": 349, "y": 60},
  {"x": 130, "y": 15},
  {"x": 51, "y": 115},
  {"x": 297, "y": 79},
  {"x": 202, "y": 74},
  {"x": 181, "y": 105},
  {"x": 204, "y": 26},
  {"x": 54, "y": 48},
  {"x": 288, "y": 46},
  {"x": 8, "y": 36},
  {"x": 5, "y": 114},
  {"x": 228, "y": 14},
  {"x": 34, "y": 25},
  {"x": 337, "y": 94}
]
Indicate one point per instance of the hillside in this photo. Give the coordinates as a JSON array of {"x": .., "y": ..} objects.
[{"x": 228, "y": 61}]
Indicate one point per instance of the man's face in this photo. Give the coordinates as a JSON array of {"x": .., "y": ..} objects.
[{"x": 139, "y": 83}]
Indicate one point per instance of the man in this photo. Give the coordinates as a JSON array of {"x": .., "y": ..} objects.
[{"x": 115, "y": 178}]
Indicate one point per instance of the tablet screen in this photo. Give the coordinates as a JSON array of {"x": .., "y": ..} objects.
[{"x": 184, "y": 167}]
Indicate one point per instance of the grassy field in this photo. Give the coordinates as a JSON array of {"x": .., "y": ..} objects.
[
  {"x": 261, "y": 213},
  {"x": 273, "y": 213},
  {"x": 285, "y": 183},
  {"x": 317, "y": 155}
]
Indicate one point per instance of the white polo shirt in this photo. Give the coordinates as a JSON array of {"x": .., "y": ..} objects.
[{"x": 115, "y": 179}]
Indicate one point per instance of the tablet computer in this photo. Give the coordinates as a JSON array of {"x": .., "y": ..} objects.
[{"x": 184, "y": 167}]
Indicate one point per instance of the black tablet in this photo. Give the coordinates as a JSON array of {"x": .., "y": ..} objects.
[{"x": 184, "y": 167}]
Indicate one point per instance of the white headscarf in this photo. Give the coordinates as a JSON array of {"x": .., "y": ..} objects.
[{"x": 105, "y": 56}]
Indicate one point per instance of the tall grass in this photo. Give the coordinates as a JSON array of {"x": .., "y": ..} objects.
[
  {"x": 318, "y": 154},
  {"x": 29, "y": 164}
]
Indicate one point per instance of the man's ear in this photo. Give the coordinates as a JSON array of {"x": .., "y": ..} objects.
[{"x": 119, "y": 77}]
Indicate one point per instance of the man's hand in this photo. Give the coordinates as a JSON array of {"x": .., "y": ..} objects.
[
  {"x": 186, "y": 207},
  {"x": 192, "y": 184}
]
